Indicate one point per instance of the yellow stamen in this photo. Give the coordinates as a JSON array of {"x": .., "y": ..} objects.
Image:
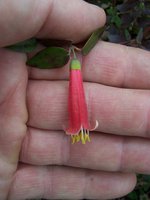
[
  {"x": 83, "y": 136},
  {"x": 78, "y": 138},
  {"x": 87, "y": 137},
  {"x": 73, "y": 139}
]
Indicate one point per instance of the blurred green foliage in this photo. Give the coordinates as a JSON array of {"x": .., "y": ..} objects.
[{"x": 128, "y": 21}]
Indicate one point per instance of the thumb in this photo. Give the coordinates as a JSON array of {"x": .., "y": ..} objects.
[{"x": 73, "y": 20}]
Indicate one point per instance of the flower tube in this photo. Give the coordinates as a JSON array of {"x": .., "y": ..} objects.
[{"x": 79, "y": 126}]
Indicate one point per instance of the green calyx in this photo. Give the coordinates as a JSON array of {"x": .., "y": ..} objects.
[{"x": 75, "y": 64}]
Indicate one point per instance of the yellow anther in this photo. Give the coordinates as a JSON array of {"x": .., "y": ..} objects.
[
  {"x": 73, "y": 139},
  {"x": 83, "y": 140},
  {"x": 83, "y": 136},
  {"x": 87, "y": 137},
  {"x": 77, "y": 138}
]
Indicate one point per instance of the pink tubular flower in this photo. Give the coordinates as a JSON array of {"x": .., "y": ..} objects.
[{"x": 79, "y": 125}]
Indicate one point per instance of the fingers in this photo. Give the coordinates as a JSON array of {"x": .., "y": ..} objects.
[
  {"x": 118, "y": 111},
  {"x": 53, "y": 19},
  {"x": 105, "y": 152},
  {"x": 108, "y": 64},
  {"x": 69, "y": 183},
  {"x": 72, "y": 20},
  {"x": 13, "y": 115},
  {"x": 118, "y": 65}
]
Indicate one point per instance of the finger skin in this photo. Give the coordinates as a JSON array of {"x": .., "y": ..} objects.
[
  {"x": 118, "y": 111},
  {"x": 54, "y": 182},
  {"x": 108, "y": 64},
  {"x": 24, "y": 19},
  {"x": 13, "y": 114},
  {"x": 118, "y": 65},
  {"x": 21, "y": 20},
  {"x": 105, "y": 152}
]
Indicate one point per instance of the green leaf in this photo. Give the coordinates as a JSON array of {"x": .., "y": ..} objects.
[
  {"x": 139, "y": 36},
  {"x": 127, "y": 35},
  {"x": 116, "y": 20},
  {"x": 146, "y": 178},
  {"x": 94, "y": 38},
  {"x": 112, "y": 11},
  {"x": 51, "y": 57},
  {"x": 133, "y": 195},
  {"x": 25, "y": 46}
]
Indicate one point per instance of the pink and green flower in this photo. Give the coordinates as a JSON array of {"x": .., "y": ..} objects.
[{"x": 79, "y": 126}]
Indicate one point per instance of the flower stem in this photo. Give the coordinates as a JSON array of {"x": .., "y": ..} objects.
[{"x": 73, "y": 51}]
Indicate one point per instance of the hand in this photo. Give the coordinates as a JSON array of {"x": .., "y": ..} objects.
[{"x": 33, "y": 109}]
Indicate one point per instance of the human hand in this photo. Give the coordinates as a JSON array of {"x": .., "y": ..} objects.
[{"x": 50, "y": 167}]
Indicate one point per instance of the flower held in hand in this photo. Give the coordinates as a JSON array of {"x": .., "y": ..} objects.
[{"x": 79, "y": 125}]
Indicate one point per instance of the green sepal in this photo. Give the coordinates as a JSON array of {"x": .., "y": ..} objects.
[{"x": 75, "y": 64}]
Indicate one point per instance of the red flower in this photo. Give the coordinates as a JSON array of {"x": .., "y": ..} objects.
[{"x": 79, "y": 125}]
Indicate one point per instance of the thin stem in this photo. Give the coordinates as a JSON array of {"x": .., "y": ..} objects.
[{"x": 73, "y": 51}]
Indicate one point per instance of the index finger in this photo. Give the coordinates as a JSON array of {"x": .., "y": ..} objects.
[
  {"x": 118, "y": 111},
  {"x": 73, "y": 20}
]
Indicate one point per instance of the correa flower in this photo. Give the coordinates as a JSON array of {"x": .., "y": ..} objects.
[{"x": 79, "y": 125}]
